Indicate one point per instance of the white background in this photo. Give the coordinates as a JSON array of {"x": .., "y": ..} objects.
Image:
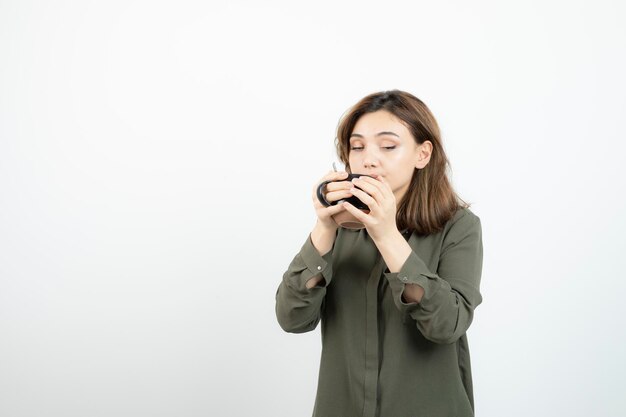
[{"x": 156, "y": 166}]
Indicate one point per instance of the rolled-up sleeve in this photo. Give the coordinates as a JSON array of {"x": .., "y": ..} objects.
[
  {"x": 298, "y": 307},
  {"x": 446, "y": 309}
]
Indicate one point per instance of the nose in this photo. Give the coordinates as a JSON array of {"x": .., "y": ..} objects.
[{"x": 370, "y": 158}]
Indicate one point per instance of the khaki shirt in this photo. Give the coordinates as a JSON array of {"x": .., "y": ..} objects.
[{"x": 382, "y": 357}]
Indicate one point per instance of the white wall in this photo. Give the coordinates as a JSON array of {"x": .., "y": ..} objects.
[{"x": 144, "y": 147}]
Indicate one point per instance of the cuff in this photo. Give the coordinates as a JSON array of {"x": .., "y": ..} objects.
[
  {"x": 315, "y": 264},
  {"x": 413, "y": 271}
]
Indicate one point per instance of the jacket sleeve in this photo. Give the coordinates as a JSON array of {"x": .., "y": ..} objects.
[
  {"x": 298, "y": 309},
  {"x": 446, "y": 310}
]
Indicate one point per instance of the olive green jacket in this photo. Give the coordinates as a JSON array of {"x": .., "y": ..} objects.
[{"x": 382, "y": 357}]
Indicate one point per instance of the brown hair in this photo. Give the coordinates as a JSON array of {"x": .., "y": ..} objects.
[{"x": 430, "y": 200}]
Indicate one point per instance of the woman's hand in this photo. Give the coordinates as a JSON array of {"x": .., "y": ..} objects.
[
  {"x": 377, "y": 194},
  {"x": 334, "y": 191}
]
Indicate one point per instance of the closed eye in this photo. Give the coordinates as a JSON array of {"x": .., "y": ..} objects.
[{"x": 359, "y": 148}]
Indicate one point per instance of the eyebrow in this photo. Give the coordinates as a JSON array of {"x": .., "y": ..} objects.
[{"x": 378, "y": 134}]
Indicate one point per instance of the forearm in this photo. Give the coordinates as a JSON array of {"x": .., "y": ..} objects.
[
  {"x": 395, "y": 251},
  {"x": 323, "y": 239},
  {"x": 297, "y": 306},
  {"x": 451, "y": 286}
]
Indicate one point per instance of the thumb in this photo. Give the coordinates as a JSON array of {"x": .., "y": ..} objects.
[{"x": 336, "y": 208}]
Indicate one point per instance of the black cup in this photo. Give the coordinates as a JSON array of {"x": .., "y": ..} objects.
[{"x": 354, "y": 200}]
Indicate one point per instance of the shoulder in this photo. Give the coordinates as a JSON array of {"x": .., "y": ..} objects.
[
  {"x": 464, "y": 222},
  {"x": 464, "y": 215}
]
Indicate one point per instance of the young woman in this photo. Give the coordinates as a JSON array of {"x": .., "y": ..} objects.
[{"x": 395, "y": 299}]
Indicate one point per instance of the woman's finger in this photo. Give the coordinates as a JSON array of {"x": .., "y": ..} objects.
[
  {"x": 385, "y": 188},
  {"x": 335, "y": 209},
  {"x": 365, "y": 198},
  {"x": 369, "y": 188},
  {"x": 334, "y": 176},
  {"x": 362, "y": 217},
  {"x": 338, "y": 195}
]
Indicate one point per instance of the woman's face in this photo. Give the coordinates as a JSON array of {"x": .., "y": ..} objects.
[{"x": 381, "y": 144}]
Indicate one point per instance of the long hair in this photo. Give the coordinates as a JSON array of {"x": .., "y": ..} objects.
[{"x": 430, "y": 200}]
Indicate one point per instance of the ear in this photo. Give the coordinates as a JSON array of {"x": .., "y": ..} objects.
[{"x": 422, "y": 154}]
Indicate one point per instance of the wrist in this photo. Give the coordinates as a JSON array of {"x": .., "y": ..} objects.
[
  {"x": 389, "y": 241},
  {"x": 395, "y": 250},
  {"x": 325, "y": 228},
  {"x": 323, "y": 238}
]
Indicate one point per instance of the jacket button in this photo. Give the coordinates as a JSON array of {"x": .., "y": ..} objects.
[
  {"x": 319, "y": 268},
  {"x": 405, "y": 279}
]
